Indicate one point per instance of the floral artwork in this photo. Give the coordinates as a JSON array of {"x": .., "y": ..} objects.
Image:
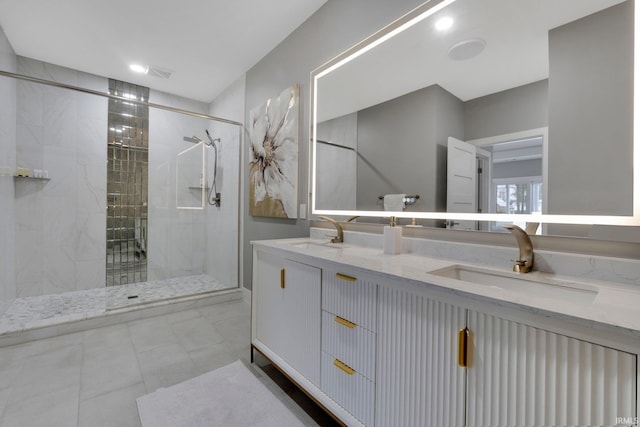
[{"x": 273, "y": 170}]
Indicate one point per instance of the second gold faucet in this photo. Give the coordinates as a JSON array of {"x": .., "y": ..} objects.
[{"x": 524, "y": 263}]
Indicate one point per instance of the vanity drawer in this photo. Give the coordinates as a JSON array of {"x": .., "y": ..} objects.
[
  {"x": 348, "y": 388},
  {"x": 350, "y": 297},
  {"x": 349, "y": 343}
]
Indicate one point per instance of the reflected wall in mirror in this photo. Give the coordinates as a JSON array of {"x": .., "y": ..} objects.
[{"x": 536, "y": 96}]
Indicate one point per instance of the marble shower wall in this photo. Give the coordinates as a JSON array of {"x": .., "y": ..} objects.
[
  {"x": 8, "y": 93},
  {"x": 60, "y": 224},
  {"x": 177, "y": 242},
  {"x": 222, "y": 259}
]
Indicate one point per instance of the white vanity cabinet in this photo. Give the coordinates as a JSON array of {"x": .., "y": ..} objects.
[
  {"x": 514, "y": 375},
  {"x": 521, "y": 375},
  {"x": 379, "y": 349},
  {"x": 287, "y": 311},
  {"x": 348, "y": 341},
  {"x": 419, "y": 382}
]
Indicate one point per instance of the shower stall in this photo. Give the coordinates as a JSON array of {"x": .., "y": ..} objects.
[{"x": 130, "y": 211}]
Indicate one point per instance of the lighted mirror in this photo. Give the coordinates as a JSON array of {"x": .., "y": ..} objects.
[{"x": 513, "y": 110}]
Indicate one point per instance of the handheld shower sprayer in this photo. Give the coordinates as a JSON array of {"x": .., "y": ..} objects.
[
  {"x": 212, "y": 142},
  {"x": 214, "y": 196}
]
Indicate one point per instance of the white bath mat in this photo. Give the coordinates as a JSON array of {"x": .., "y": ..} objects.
[{"x": 228, "y": 396}]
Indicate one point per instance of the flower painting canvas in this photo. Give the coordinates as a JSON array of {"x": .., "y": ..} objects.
[{"x": 273, "y": 170}]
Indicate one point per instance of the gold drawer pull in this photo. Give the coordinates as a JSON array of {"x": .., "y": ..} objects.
[
  {"x": 345, "y": 277},
  {"x": 344, "y": 367},
  {"x": 345, "y": 322},
  {"x": 282, "y": 276},
  {"x": 463, "y": 342}
]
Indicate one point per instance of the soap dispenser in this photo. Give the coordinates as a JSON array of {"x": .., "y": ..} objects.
[{"x": 392, "y": 238}]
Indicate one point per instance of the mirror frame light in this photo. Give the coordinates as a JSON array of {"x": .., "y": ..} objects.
[{"x": 413, "y": 17}]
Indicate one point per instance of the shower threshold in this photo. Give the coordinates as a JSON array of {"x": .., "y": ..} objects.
[{"x": 31, "y": 318}]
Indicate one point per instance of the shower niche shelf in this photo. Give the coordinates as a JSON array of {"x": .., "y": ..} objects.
[
  {"x": 198, "y": 188},
  {"x": 29, "y": 178}
]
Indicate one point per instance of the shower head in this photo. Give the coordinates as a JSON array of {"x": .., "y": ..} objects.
[{"x": 194, "y": 139}]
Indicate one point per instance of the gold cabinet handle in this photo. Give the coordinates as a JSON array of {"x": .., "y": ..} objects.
[
  {"x": 463, "y": 343},
  {"x": 343, "y": 367},
  {"x": 282, "y": 280},
  {"x": 345, "y": 322},
  {"x": 345, "y": 277}
]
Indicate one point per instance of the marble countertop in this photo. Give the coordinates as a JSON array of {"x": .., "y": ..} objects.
[{"x": 609, "y": 304}]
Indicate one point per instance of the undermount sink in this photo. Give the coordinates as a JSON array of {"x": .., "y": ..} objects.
[
  {"x": 534, "y": 284},
  {"x": 307, "y": 244}
]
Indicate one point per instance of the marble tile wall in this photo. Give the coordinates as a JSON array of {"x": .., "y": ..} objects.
[
  {"x": 8, "y": 94},
  {"x": 176, "y": 236},
  {"x": 223, "y": 221},
  {"x": 60, "y": 223}
]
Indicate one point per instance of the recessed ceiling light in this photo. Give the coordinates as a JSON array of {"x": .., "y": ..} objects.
[
  {"x": 444, "y": 23},
  {"x": 143, "y": 69}
]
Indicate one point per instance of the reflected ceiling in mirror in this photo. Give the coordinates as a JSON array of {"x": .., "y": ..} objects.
[{"x": 384, "y": 111}]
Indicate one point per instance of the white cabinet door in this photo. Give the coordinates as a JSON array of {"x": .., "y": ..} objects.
[
  {"x": 524, "y": 376},
  {"x": 288, "y": 312},
  {"x": 418, "y": 380}
]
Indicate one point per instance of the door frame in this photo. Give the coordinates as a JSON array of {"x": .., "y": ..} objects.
[{"x": 542, "y": 132}]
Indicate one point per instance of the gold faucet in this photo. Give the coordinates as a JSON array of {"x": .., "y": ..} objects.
[
  {"x": 524, "y": 263},
  {"x": 340, "y": 237}
]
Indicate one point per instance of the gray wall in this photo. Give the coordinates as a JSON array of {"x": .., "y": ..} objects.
[
  {"x": 591, "y": 114},
  {"x": 8, "y": 95},
  {"x": 335, "y": 27},
  {"x": 412, "y": 131},
  {"x": 398, "y": 151},
  {"x": 514, "y": 110}
]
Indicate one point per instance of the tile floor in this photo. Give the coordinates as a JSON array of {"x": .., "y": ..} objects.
[{"x": 93, "y": 378}]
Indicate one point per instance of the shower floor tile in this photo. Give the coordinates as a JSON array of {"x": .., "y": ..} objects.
[
  {"x": 46, "y": 310},
  {"x": 158, "y": 290}
]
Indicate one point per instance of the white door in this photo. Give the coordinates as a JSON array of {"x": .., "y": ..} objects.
[{"x": 461, "y": 181}]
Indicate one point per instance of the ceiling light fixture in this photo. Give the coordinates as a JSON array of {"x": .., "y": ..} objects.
[
  {"x": 137, "y": 68},
  {"x": 444, "y": 23},
  {"x": 466, "y": 49}
]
